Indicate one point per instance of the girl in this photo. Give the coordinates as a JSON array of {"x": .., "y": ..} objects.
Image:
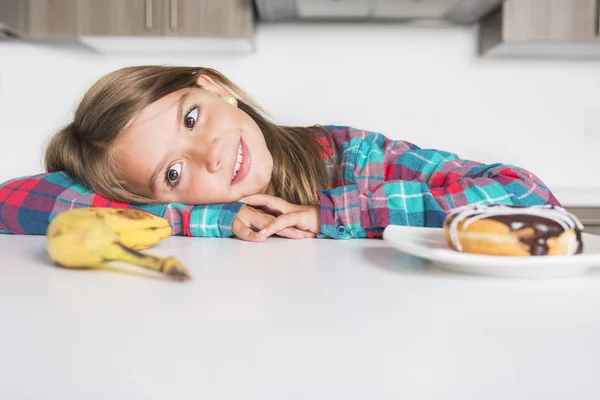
[{"x": 187, "y": 135}]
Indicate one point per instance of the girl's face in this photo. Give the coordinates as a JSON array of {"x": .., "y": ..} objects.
[{"x": 193, "y": 147}]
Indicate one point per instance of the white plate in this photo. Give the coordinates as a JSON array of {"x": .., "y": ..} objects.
[{"x": 430, "y": 244}]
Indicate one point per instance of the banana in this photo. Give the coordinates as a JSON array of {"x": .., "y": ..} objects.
[
  {"x": 81, "y": 240},
  {"x": 136, "y": 229}
]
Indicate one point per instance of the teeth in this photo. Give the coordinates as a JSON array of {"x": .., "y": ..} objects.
[{"x": 238, "y": 163}]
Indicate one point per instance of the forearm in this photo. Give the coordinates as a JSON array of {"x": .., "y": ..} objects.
[
  {"x": 213, "y": 220},
  {"x": 351, "y": 212}
]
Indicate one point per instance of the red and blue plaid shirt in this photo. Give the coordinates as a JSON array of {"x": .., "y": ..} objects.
[
  {"x": 376, "y": 182},
  {"x": 390, "y": 182}
]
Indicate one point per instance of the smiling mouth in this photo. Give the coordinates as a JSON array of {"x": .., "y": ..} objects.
[{"x": 238, "y": 163}]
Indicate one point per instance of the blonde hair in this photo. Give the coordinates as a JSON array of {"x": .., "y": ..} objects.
[{"x": 82, "y": 148}]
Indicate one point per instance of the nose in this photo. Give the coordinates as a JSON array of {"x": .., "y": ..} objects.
[{"x": 209, "y": 152}]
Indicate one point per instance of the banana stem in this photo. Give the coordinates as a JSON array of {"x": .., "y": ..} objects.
[{"x": 169, "y": 266}]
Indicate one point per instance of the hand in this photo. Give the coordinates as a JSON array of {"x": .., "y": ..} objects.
[
  {"x": 249, "y": 219},
  {"x": 305, "y": 218}
]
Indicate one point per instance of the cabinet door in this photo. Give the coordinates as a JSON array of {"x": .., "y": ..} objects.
[
  {"x": 120, "y": 17},
  {"x": 12, "y": 16},
  {"x": 52, "y": 18},
  {"x": 592, "y": 229},
  {"x": 589, "y": 217},
  {"x": 550, "y": 20},
  {"x": 223, "y": 18}
]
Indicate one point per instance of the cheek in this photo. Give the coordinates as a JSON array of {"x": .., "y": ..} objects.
[
  {"x": 261, "y": 155},
  {"x": 205, "y": 188},
  {"x": 254, "y": 137}
]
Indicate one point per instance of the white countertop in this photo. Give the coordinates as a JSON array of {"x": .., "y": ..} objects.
[
  {"x": 312, "y": 319},
  {"x": 577, "y": 196}
]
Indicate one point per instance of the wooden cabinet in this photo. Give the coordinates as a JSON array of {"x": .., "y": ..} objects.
[
  {"x": 542, "y": 27},
  {"x": 120, "y": 17},
  {"x": 131, "y": 18},
  {"x": 593, "y": 229},
  {"x": 39, "y": 18},
  {"x": 223, "y": 18},
  {"x": 589, "y": 217},
  {"x": 550, "y": 20},
  {"x": 12, "y": 17},
  {"x": 51, "y": 18}
]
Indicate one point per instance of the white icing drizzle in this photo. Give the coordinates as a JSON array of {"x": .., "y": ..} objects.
[{"x": 476, "y": 212}]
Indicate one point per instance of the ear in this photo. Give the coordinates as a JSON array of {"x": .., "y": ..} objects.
[{"x": 207, "y": 83}]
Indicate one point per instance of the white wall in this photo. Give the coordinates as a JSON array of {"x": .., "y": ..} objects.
[{"x": 423, "y": 85}]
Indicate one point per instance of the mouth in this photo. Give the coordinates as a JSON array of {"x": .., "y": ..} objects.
[{"x": 242, "y": 163}]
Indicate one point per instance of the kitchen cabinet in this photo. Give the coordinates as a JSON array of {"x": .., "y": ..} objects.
[
  {"x": 542, "y": 28},
  {"x": 12, "y": 17},
  {"x": 135, "y": 25},
  {"x": 223, "y": 18},
  {"x": 119, "y": 17},
  {"x": 550, "y": 20},
  {"x": 212, "y": 18},
  {"x": 589, "y": 217},
  {"x": 39, "y": 18}
]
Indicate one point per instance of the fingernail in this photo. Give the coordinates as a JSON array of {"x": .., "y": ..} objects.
[{"x": 262, "y": 232}]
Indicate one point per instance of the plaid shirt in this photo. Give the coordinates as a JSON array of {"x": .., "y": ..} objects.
[
  {"x": 376, "y": 182},
  {"x": 27, "y": 205},
  {"x": 383, "y": 182}
]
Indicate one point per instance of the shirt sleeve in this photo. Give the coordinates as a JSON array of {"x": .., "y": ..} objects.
[
  {"x": 395, "y": 182},
  {"x": 28, "y": 205}
]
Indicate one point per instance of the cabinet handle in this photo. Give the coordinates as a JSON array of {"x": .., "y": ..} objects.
[
  {"x": 174, "y": 21},
  {"x": 149, "y": 14}
]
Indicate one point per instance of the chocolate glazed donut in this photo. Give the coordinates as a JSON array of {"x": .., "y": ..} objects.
[{"x": 514, "y": 230}]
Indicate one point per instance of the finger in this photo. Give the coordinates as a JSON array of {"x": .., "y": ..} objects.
[
  {"x": 259, "y": 220},
  {"x": 297, "y": 234},
  {"x": 309, "y": 235},
  {"x": 247, "y": 234},
  {"x": 291, "y": 233},
  {"x": 282, "y": 222},
  {"x": 269, "y": 202}
]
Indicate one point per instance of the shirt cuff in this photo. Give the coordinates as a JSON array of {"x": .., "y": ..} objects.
[
  {"x": 341, "y": 213},
  {"x": 227, "y": 216}
]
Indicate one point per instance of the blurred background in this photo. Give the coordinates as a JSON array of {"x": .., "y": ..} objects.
[{"x": 514, "y": 81}]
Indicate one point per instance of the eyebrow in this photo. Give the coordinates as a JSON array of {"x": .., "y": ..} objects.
[{"x": 163, "y": 161}]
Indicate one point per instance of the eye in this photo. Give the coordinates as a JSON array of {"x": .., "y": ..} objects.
[
  {"x": 173, "y": 174},
  {"x": 191, "y": 118}
]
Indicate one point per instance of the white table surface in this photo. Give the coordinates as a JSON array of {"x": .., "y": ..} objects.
[{"x": 312, "y": 319}]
